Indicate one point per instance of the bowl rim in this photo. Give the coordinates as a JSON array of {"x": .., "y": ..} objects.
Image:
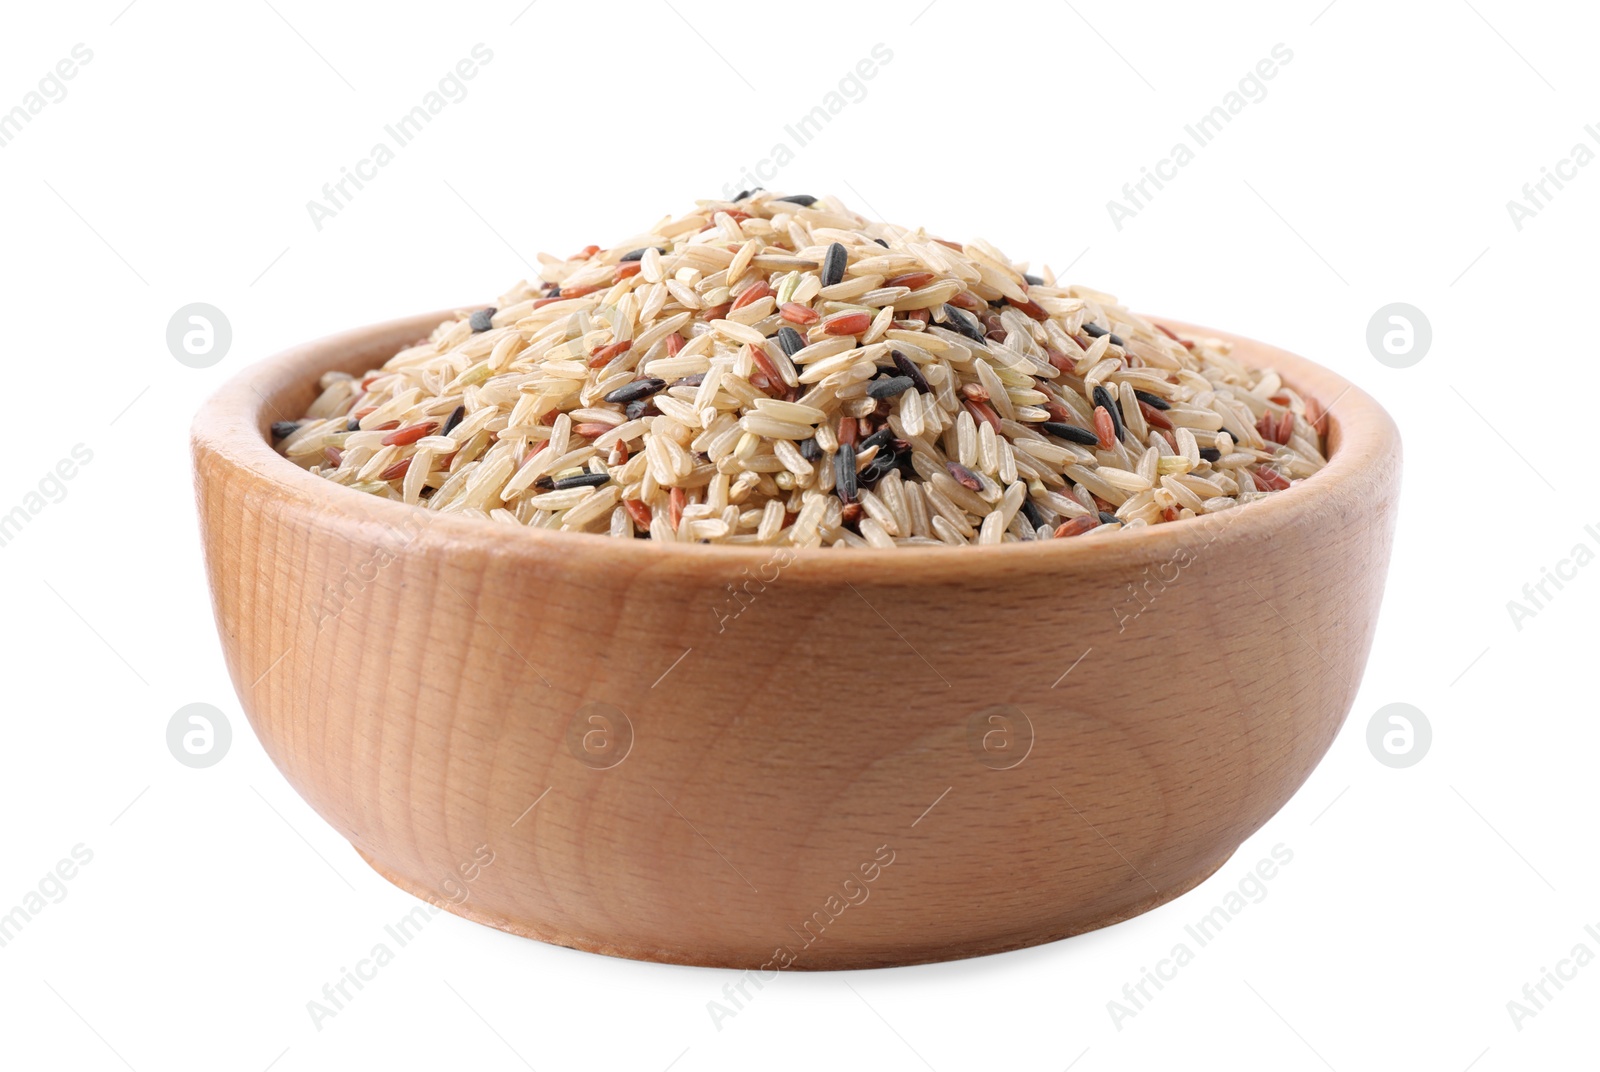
[{"x": 233, "y": 425}]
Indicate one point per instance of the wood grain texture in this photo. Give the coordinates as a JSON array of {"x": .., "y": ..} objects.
[{"x": 423, "y": 680}]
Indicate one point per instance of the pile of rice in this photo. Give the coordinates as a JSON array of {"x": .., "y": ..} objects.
[{"x": 782, "y": 371}]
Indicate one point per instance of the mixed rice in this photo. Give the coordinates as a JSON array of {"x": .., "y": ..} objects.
[{"x": 781, "y": 371}]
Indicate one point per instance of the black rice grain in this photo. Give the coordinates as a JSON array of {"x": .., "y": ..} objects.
[
  {"x": 1102, "y": 397},
  {"x": 909, "y": 368},
  {"x": 791, "y": 340},
  {"x": 1094, "y": 331},
  {"x": 967, "y": 326},
  {"x": 1070, "y": 432},
  {"x": 804, "y": 200},
  {"x": 1153, "y": 401},
  {"x": 833, "y": 264},
  {"x": 890, "y": 388},
  {"x": 882, "y": 463},
  {"x": 881, "y": 438},
  {"x": 582, "y": 480},
  {"x": 456, "y": 418},
  {"x": 632, "y": 392},
  {"x": 482, "y": 320},
  {"x": 844, "y": 473},
  {"x": 284, "y": 429}
]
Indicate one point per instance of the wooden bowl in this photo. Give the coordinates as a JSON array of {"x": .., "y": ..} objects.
[{"x": 763, "y": 759}]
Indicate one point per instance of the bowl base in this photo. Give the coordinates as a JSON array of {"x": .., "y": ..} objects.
[{"x": 840, "y": 961}]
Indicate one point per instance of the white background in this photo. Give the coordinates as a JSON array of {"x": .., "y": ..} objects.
[{"x": 1377, "y": 169}]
